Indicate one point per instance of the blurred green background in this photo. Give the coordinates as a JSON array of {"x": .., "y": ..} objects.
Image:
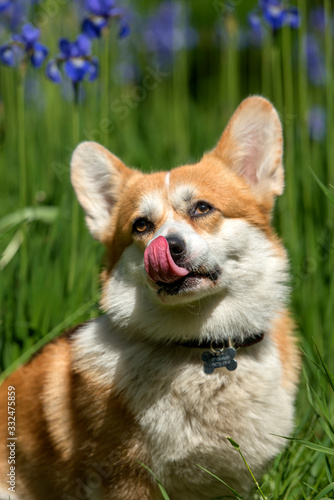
[{"x": 201, "y": 60}]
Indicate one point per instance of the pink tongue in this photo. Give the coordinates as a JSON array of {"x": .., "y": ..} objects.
[{"x": 159, "y": 263}]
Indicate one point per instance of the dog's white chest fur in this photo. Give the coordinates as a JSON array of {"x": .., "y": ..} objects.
[
  {"x": 188, "y": 424},
  {"x": 186, "y": 415}
]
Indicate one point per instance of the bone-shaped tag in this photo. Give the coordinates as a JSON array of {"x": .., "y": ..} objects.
[{"x": 219, "y": 359}]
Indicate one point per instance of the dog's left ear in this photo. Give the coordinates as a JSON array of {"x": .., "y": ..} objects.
[{"x": 252, "y": 146}]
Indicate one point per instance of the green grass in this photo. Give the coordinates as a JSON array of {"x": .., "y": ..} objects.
[{"x": 49, "y": 263}]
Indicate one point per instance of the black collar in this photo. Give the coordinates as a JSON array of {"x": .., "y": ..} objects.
[{"x": 236, "y": 343}]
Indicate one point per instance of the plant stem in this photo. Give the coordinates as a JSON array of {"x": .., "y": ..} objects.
[
  {"x": 21, "y": 146},
  {"x": 75, "y": 205},
  {"x": 288, "y": 122},
  {"x": 306, "y": 234},
  {"x": 237, "y": 448},
  {"x": 251, "y": 473},
  {"x": 105, "y": 82},
  {"x": 329, "y": 85},
  {"x": 21, "y": 139},
  {"x": 232, "y": 61},
  {"x": 265, "y": 65}
]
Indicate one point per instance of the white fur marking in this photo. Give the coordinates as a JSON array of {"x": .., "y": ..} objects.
[
  {"x": 167, "y": 182},
  {"x": 152, "y": 206},
  {"x": 183, "y": 194}
]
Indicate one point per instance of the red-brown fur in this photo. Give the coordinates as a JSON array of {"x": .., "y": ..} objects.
[{"x": 90, "y": 425}]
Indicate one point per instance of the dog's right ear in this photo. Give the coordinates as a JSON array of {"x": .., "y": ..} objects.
[{"x": 97, "y": 177}]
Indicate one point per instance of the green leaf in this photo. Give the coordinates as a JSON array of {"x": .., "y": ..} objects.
[
  {"x": 233, "y": 443},
  {"x": 29, "y": 214},
  {"x": 311, "y": 487},
  {"x": 237, "y": 447},
  {"x": 311, "y": 446},
  {"x": 319, "y": 406},
  {"x": 328, "y": 192},
  {"x": 161, "y": 488},
  {"x": 11, "y": 248},
  {"x": 311, "y": 360},
  {"x": 47, "y": 338},
  {"x": 324, "y": 492},
  {"x": 328, "y": 373},
  {"x": 328, "y": 470},
  {"x": 220, "y": 480}
]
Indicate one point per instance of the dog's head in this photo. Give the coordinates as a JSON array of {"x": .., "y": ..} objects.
[{"x": 191, "y": 252}]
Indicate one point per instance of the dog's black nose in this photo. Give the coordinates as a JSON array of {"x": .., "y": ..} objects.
[{"x": 177, "y": 247}]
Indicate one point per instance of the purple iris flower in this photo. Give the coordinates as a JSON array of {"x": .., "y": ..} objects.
[
  {"x": 273, "y": 13},
  {"x": 256, "y": 34},
  {"x": 168, "y": 31},
  {"x": 25, "y": 44},
  {"x": 292, "y": 18},
  {"x": 277, "y": 15},
  {"x": 13, "y": 13},
  {"x": 317, "y": 123},
  {"x": 77, "y": 61},
  {"x": 318, "y": 18},
  {"x": 4, "y": 4},
  {"x": 101, "y": 13},
  {"x": 316, "y": 68},
  {"x": 254, "y": 20}
]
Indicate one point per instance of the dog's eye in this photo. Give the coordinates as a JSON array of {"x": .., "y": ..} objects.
[
  {"x": 202, "y": 207},
  {"x": 140, "y": 225}
]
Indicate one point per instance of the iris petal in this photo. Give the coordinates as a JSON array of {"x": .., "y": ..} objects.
[
  {"x": 11, "y": 55},
  {"x": 264, "y": 4},
  {"x": 90, "y": 29},
  {"x": 124, "y": 29},
  {"x": 108, "y": 4},
  {"x": 39, "y": 55},
  {"x": 7, "y": 55},
  {"x": 65, "y": 47},
  {"x": 254, "y": 20},
  {"x": 52, "y": 71},
  {"x": 83, "y": 44},
  {"x": 275, "y": 16},
  {"x": 95, "y": 7},
  {"x": 76, "y": 69},
  {"x": 30, "y": 34},
  {"x": 317, "y": 123},
  {"x": 116, "y": 12},
  {"x": 293, "y": 18},
  {"x": 93, "y": 69},
  {"x": 4, "y": 4}
]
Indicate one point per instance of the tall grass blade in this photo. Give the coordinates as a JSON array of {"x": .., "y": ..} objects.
[
  {"x": 47, "y": 338},
  {"x": 161, "y": 488},
  {"x": 225, "y": 484},
  {"x": 47, "y": 215},
  {"x": 237, "y": 447},
  {"x": 312, "y": 446},
  {"x": 326, "y": 190},
  {"x": 330, "y": 376},
  {"x": 11, "y": 248},
  {"x": 324, "y": 492}
]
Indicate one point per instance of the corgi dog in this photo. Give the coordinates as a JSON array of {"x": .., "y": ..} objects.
[{"x": 196, "y": 344}]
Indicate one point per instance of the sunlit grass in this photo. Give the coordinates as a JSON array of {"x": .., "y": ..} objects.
[{"x": 49, "y": 263}]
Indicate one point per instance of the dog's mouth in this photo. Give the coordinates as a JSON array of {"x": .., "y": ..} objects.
[
  {"x": 170, "y": 277},
  {"x": 187, "y": 283}
]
